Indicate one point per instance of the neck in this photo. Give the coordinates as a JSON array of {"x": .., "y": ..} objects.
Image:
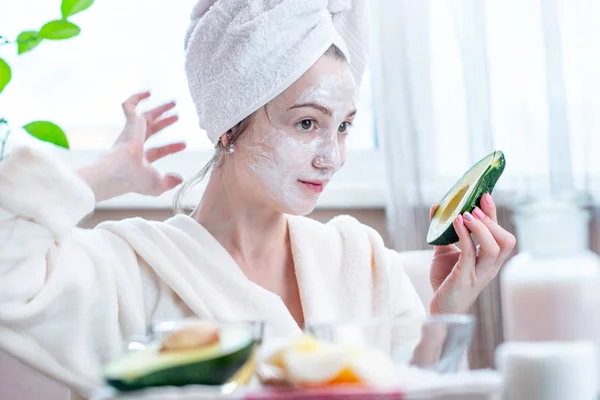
[{"x": 250, "y": 232}]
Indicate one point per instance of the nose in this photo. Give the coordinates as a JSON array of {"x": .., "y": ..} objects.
[
  {"x": 321, "y": 162},
  {"x": 329, "y": 156}
]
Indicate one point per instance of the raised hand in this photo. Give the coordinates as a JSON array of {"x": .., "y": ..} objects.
[
  {"x": 137, "y": 162},
  {"x": 127, "y": 166}
]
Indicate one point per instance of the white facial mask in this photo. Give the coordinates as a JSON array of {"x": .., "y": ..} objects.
[{"x": 282, "y": 158}]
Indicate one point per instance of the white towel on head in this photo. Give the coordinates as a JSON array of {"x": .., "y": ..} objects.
[{"x": 240, "y": 54}]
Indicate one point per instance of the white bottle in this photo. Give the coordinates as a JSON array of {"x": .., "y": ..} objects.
[{"x": 551, "y": 289}]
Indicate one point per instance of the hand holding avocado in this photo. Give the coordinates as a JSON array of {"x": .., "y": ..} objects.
[{"x": 460, "y": 272}]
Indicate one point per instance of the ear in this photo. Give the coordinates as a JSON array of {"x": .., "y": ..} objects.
[{"x": 225, "y": 139}]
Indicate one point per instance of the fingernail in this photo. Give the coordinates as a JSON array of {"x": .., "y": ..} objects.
[
  {"x": 468, "y": 216},
  {"x": 460, "y": 219},
  {"x": 478, "y": 213},
  {"x": 488, "y": 199}
]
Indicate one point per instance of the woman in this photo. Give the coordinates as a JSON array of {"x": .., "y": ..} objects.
[{"x": 69, "y": 297}]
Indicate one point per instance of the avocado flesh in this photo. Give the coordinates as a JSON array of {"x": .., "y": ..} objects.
[
  {"x": 464, "y": 196},
  {"x": 211, "y": 365}
]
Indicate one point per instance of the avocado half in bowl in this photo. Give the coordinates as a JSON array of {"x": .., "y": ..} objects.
[
  {"x": 186, "y": 357},
  {"x": 464, "y": 196}
]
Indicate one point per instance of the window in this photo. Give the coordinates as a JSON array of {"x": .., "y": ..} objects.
[
  {"x": 125, "y": 47},
  {"x": 519, "y": 97}
]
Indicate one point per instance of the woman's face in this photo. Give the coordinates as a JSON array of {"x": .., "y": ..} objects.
[{"x": 297, "y": 142}]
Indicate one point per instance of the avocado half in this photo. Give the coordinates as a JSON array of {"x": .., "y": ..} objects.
[
  {"x": 211, "y": 365},
  {"x": 464, "y": 196}
]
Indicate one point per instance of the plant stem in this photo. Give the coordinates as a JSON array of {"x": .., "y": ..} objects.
[{"x": 5, "y": 139}]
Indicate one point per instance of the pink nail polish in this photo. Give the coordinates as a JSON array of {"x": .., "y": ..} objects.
[
  {"x": 488, "y": 199},
  {"x": 478, "y": 213},
  {"x": 460, "y": 219},
  {"x": 468, "y": 216}
]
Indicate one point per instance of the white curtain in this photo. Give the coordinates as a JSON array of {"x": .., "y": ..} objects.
[{"x": 456, "y": 79}]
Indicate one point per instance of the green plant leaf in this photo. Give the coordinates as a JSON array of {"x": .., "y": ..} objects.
[
  {"x": 72, "y": 7},
  {"x": 59, "y": 30},
  {"x": 27, "y": 41},
  {"x": 5, "y": 74},
  {"x": 47, "y": 132}
]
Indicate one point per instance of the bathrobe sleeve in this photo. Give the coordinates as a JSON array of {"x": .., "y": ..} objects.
[
  {"x": 68, "y": 296},
  {"x": 375, "y": 281}
]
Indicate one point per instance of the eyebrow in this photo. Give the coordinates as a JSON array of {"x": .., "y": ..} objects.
[
  {"x": 316, "y": 106},
  {"x": 321, "y": 108}
]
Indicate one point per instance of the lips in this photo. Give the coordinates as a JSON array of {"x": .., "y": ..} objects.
[{"x": 313, "y": 186}]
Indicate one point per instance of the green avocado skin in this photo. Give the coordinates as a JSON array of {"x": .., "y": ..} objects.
[
  {"x": 215, "y": 371},
  {"x": 486, "y": 185}
]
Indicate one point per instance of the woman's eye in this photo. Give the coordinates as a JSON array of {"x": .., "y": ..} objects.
[
  {"x": 306, "y": 125},
  {"x": 345, "y": 127}
]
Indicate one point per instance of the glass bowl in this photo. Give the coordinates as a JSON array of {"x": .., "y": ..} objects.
[
  {"x": 438, "y": 343},
  {"x": 224, "y": 366}
]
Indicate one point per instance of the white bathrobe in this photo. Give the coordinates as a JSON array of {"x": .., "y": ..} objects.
[{"x": 69, "y": 296}]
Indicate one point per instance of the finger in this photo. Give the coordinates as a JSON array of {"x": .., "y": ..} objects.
[
  {"x": 490, "y": 250},
  {"x": 489, "y": 207},
  {"x": 158, "y": 111},
  {"x": 503, "y": 238},
  {"x": 468, "y": 255},
  {"x": 157, "y": 153},
  {"x": 169, "y": 181},
  {"x": 161, "y": 124},
  {"x": 432, "y": 210},
  {"x": 131, "y": 103}
]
